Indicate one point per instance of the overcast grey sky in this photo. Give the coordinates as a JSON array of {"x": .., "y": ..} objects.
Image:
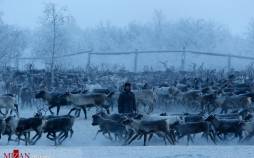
[{"x": 235, "y": 14}]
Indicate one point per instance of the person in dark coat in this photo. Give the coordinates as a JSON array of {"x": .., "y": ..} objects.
[{"x": 126, "y": 100}]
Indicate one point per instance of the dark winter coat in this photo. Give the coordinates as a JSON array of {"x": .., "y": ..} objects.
[{"x": 126, "y": 102}]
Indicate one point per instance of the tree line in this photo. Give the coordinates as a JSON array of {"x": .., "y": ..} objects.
[{"x": 58, "y": 34}]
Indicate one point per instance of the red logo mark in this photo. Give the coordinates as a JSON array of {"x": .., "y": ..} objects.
[{"x": 16, "y": 154}]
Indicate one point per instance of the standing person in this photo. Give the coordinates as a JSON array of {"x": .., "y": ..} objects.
[{"x": 126, "y": 100}]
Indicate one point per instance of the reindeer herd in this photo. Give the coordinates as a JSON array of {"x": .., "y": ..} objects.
[{"x": 215, "y": 105}]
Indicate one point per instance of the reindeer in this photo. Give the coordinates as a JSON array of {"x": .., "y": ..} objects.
[
  {"x": 190, "y": 128},
  {"x": 2, "y": 126},
  {"x": 228, "y": 126},
  {"x": 23, "y": 126},
  {"x": 234, "y": 102},
  {"x": 8, "y": 102},
  {"x": 108, "y": 126},
  {"x": 146, "y": 127},
  {"x": 88, "y": 100},
  {"x": 145, "y": 97},
  {"x": 62, "y": 124},
  {"x": 54, "y": 100}
]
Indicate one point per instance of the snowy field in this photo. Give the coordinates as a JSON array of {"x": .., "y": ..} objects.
[
  {"x": 83, "y": 145},
  {"x": 136, "y": 151}
]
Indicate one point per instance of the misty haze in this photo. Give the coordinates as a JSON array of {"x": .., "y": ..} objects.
[{"x": 110, "y": 78}]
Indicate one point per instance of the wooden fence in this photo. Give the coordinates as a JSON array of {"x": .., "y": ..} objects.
[
  {"x": 183, "y": 53},
  {"x": 137, "y": 53}
]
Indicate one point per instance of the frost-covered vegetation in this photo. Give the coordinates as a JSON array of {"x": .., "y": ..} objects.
[{"x": 58, "y": 33}]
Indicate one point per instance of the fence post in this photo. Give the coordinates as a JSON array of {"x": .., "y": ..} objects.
[
  {"x": 229, "y": 63},
  {"x": 17, "y": 63},
  {"x": 136, "y": 60},
  {"x": 88, "y": 62},
  {"x": 183, "y": 59}
]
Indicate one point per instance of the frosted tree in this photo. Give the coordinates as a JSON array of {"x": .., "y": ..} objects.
[
  {"x": 159, "y": 26},
  {"x": 250, "y": 37},
  {"x": 52, "y": 37},
  {"x": 12, "y": 42}
]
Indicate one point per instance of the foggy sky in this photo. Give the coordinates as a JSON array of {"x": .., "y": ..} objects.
[{"x": 234, "y": 14}]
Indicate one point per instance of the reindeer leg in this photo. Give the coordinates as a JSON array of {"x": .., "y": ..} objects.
[
  {"x": 34, "y": 139},
  {"x": 145, "y": 137},
  {"x": 72, "y": 110},
  {"x": 191, "y": 138},
  {"x": 164, "y": 139},
  {"x": 84, "y": 110},
  {"x": 248, "y": 137},
  {"x": 29, "y": 134},
  {"x": 188, "y": 139},
  {"x": 50, "y": 109},
  {"x": 213, "y": 135},
  {"x": 55, "y": 138},
  {"x": 63, "y": 137},
  {"x": 140, "y": 136},
  {"x": 27, "y": 137},
  {"x": 9, "y": 138},
  {"x": 108, "y": 112},
  {"x": 218, "y": 135},
  {"x": 37, "y": 136},
  {"x": 97, "y": 133},
  {"x": 150, "y": 137},
  {"x": 116, "y": 136},
  {"x": 16, "y": 109},
  {"x": 48, "y": 135},
  {"x": 173, "y": 136},
  {"x": 111, "y": 104},
  {"x": 77, "y": 112},
  {"x": 130, "y": 134},
  {"x": 150, "y": 108},
  {"x": 57, "y": 109},
  {"x": 212, "y": 138},
  {"x": 71, "y": 131},
  {"x": 225, "y": 136},
  {"x": 205, "y": 134},
  {"x": 61, "y": 134},
  {"x": 133, "y": 138},
  {"x": 110, "y": 137},
  {"x": 51, "y": 138},
  {"x": 240, "y": 136},
  {"x": 169, "y": 138},
  {"x": 19, "y": 139}
]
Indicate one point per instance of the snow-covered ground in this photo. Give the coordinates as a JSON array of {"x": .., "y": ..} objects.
[
  {"x": 83, "y": 144},
  {"x": 134, "y": 151}
]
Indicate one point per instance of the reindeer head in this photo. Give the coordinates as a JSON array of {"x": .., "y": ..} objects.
[
  {"x": 96, "y": 120},
  {"x": 41, "y": 94}
]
